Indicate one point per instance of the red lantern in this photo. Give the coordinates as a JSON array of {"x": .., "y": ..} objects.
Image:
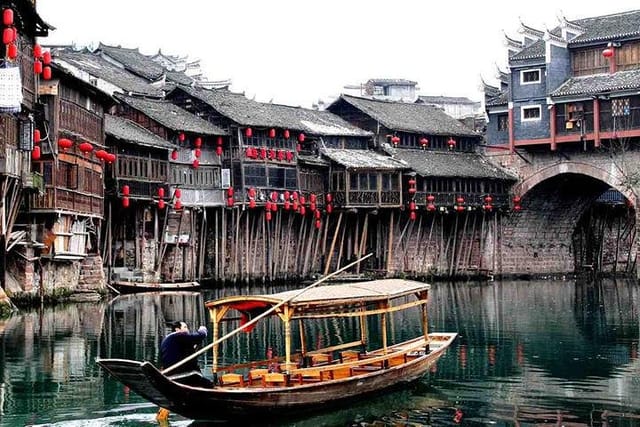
[
  {"x": 198, "y": 142},
  {"x": 516, "y": 199},
  {"x": 249, "y": 152},
  {"x": 303, "y": 211},
  {"x": 7, "y": 17},
  {"x": 7, "y": 35},
  {"x": 424, "y": 142},
  {"x": 65, "y": 143},
  {"x": 197, "y": 152},
  {"x": 37, "y": 51},
  {"x": 451, "y": 143},
  {"x": 267, "y": 215},
  {"x": 125, "y": 190},
  {"x": 287, "y": 205},
  {"x": 263, "y": 153},
  {"x": 267, "y": 206},
  {"x": 219, "y": 150},
  {"x": 318, "y": 223},
  {"x": 488, "y": 199},
  {"x": 252, "y": 203},
  {"x": 459, "y": 208},
  {"x": 274, "y": 207},
  {"x": 272, "y": 133},
  {"x": 230, "y": 202},
  {"x": 12, "y": 51},
  {"x": 37, "y": 66},
  {"x": 174, "y": 155},
  {"x": 313, "y": 197},
  {"x": 412, "y": 190},
  {"x": 412, "y": 205},
  {"x": 303, "y": 200},
  {"x": 160, "y": 204},
  {"x": 181, "y": 137},
  {"x": 608, "y": 52},
  {"x": 125, "y": 202},
  {"x": 35, "y": 153},
  {"x": 252, "y": 192},
  {"x": 460, "y": 200},
  {"x": 294, "y": 205},
  {"x": 294, "y": 196},
  {"x": 286, "y": 134},
  {"x": 395, "y": 140},
  {"x": 328, "y": 198},
  {"x": 301, "y": 137},
  {"x": 196, "y": 164},
  {"x": 274, "y": 195},
  {"x": 161, "y": 192},
  {"x": 230, "y": 192},
  {"x": 36, "y": 136},
  {"x": 287, "y": 195},
  {"x": 110, "y": 158},
  {"x": 318, "y": 214},
  {"x": 178, "y": 205},
  {"x": 219, "y": 140},
  {"x": 280, "y": 155},
  {"x": 101, "y": 154},
  {"x": 298, "y": 148},
  {"x": 312, "y": 206},
  {"x": 430, "y": 198},
  {"x": 177, "y": 193},
  {"x": 272, "y": 154},
  {"x": 248, "y": 132},
  {"x": 46, "y": 57},
  {"x": 329, "y": 208},
  {"x": 85, "y": 147},
  {"x": 289, "y": 156},
  {"x": 431, "y": 207},
  {"x": 517, "y": 208},
  {"x": 412, "y": 215}
]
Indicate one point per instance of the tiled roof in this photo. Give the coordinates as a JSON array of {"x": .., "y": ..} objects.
[
  {"x": 128, "y": 130},
  {"x": 392, "y": 82},
  {"x": 608, "y": 27},
  {"x": 535, "y": 50},
  {"x": 172, "y": 116},
  {"x": 454, "y": 164},
  {"x": 495, "y": 100},
  {"x": 105, "y": 70},
  {"x": 600, "y": 83},
  {"x": 247, "y": 112},
  {"x": 363, "y": 159},
  {"x": 179, "y": 77},
  {"x": 134, "y": 61},
  {"x": 445, "y": 100},
  {"x": 408, "y": 117}
]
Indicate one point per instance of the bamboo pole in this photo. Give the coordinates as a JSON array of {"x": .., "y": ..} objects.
[
  {"x": 363, "y": 239},
  {"x": 261, "y": 316},
  {"x": 390, "y": 244},
  {"x": 333, "y": 244}
]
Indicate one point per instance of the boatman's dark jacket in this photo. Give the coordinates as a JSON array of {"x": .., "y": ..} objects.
[{"x": 178, "y": 346}]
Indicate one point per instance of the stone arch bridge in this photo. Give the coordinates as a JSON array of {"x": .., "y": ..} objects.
[{"x": 579, "y": 213}]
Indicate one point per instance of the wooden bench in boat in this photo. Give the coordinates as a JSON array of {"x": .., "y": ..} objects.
[{"x": 232, "y": 379}]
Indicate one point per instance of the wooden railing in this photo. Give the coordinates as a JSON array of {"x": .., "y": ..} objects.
[
  {"x": 77, "y": 119},
  {"x": 66, "y": 200},
  {"x": 367, "y": 198}
]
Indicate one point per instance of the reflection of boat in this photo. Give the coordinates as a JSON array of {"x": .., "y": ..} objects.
[
  {"x": 310, "y": 378},
  {"x": 127, "y": 287}
]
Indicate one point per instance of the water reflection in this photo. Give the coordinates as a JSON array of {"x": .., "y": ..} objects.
[{"x": 529, "y": 353}]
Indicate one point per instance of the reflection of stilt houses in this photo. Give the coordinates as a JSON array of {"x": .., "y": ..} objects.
[
  {"x": 160, "y": 191},
  {"x": 19, "y": 104}
]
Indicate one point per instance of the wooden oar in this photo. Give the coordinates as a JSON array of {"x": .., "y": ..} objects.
[{"x": 266, "y": 313}]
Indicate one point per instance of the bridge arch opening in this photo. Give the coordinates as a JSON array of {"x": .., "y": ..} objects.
[{"x": 570, "y": 222}]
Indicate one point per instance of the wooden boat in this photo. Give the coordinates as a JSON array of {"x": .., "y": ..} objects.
[
  {"x": 305, "y": 380},
  {"x": 129, "y": 287}
]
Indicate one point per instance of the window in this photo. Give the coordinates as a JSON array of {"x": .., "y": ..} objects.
[
  {"x": 531, "y": 113},
  {"x": 530, "y": 76},
  {"x": 620, "y": 107},
  {"x": 389, "y": 182},
  {"x": 503, "y": 122},
  {"x": 364, "y": 181}
]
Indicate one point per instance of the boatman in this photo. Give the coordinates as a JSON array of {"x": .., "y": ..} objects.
[
  {"x": 179, "y": 345},
  {"x": 176, "y": 347}
]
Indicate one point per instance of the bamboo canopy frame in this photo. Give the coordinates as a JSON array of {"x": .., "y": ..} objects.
[{"x": 261, "y": 316}]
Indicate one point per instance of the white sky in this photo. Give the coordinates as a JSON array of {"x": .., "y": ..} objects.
[{"x": 298, "y": 51}]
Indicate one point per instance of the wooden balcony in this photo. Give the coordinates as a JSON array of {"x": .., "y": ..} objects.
[
  {"x": 354, "y": 199},
  {"x": 58, "y": 199},
  {"x": 79, "y": 120}
]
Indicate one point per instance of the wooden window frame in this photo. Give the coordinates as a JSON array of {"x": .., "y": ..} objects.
[{"x": 523, "y": 73}]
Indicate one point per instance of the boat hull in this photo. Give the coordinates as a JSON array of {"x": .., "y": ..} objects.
[
  {"x": 224, "y": 403},
  {"x": 125, "y": 287}
]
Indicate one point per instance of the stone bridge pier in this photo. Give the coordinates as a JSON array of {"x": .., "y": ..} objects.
[{"x": 561, "y": 227}]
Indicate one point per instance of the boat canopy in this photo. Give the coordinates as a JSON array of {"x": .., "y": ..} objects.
[{"x": 347, "y": 295}]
